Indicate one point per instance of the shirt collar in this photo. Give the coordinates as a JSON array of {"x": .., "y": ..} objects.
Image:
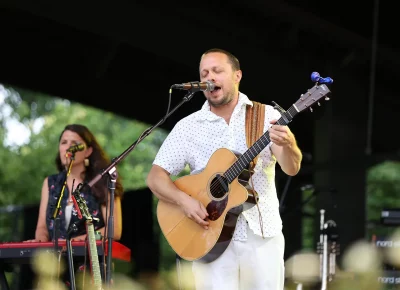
[{"x": 206, "y": 114}]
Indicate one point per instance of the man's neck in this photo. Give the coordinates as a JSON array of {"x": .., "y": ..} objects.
[{"x": 225, "y": 111}]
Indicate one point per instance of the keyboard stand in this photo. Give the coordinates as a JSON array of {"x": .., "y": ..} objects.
[
  {"x": 20, "y": 253},
  {"x": 3, "y": 279}
]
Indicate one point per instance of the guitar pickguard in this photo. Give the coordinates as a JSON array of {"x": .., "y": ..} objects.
[{"x": 216, "y": 208}]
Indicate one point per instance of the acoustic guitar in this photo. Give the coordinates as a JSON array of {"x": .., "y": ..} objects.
[{"x": 222, "y": 187}]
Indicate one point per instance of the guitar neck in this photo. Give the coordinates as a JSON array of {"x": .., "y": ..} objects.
[
  {"x": 245, "y": 159},
  {"x": 94, "y": 258}
]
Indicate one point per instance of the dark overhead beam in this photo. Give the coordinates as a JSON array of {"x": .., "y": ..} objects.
[
  {"x": 168, "y": 31},
  {"x": 108, "y": 58},
  {"x": 281, "y": 11},
  {"x": 164, "y": 33}
]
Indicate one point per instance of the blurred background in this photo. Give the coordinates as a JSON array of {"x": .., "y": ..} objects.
[{"x": 110, "y": 66}]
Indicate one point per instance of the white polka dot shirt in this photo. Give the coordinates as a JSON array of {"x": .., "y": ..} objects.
[{"x": 196, "y": 137}]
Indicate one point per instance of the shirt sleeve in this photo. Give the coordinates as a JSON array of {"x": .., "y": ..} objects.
[
  {"x": 172, "y": 155},
  {"x": 270, "y": 114}
]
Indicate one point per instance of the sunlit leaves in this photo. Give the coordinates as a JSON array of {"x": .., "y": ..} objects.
[{"x": 25, "y": 167}]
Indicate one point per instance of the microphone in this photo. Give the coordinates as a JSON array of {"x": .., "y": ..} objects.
[
  {"x": 195, "y": 86},
  {"x": 76, "y": 148}
]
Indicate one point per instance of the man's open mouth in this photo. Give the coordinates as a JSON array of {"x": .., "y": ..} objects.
[{"x": 216, "y": 89}]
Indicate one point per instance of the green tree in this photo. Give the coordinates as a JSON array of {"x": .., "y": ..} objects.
[
  {"x": 26, "y": 165},
  {"x": 383, "y": 188}
]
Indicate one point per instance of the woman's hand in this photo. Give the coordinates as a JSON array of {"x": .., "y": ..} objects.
[{"x": 34, "y": 241}]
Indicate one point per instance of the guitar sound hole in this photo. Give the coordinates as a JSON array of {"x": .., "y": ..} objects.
[{"x": 219, "y": 186}]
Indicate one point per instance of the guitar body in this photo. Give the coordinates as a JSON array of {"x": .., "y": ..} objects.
[
  {"x": 224, "y": 190},
  {"x": 187, "y": 238}
]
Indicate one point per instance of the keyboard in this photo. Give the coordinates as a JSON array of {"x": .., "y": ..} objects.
[
  {"x": 390, "y": 217},
  {"x": 21, "y": 252}
]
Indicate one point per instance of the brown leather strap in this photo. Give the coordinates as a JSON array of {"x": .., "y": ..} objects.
[
  {"x": 255, "y": 116},
  {"x": 254, "y": 129}
]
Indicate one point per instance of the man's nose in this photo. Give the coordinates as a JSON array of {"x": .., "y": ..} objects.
[{"x": 211, "y": 78}]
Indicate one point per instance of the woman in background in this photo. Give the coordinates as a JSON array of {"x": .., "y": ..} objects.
[
  {"x": 86, "y": 165},
  {"x": 87, "y": 162}
]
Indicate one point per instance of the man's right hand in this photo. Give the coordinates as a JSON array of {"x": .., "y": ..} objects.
[{"x": 195, "y": 210}]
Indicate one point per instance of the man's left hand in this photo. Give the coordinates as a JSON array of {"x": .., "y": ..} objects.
[{"x": 280, "y": 135}]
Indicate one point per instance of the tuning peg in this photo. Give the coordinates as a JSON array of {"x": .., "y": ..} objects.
[
  {"x": 311, "y": 110},
  {"x": 319, "y": 104},
  {"x": 327, "y": 98}
]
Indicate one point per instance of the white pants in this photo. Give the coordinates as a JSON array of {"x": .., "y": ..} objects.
[{"x": 256, "y": 264}]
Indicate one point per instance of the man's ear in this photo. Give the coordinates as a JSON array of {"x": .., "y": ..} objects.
[{"x": 238, "y": 76}]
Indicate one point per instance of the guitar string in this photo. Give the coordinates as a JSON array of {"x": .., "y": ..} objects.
[
  {"x": 284, "y": 120},
  {"x": 92, "y": 248},
  {"x": 95, "y": 262},
  {"x": 251, "y": 153},
  {"x": 84, "y": 263},
  {"x": 236, "y": 171}
]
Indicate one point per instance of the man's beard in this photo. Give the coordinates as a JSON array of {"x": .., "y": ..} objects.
[{"x": 226, "y": 99}]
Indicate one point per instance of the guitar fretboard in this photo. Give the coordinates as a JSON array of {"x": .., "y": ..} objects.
[
  {"x": 245, "y": 159},
  {"x": 94, "y": 258}
]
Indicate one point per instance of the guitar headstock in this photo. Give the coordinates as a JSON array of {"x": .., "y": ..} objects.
[
  {"x": 312, "y": 97},
  {"x": 81, "y": 206}
]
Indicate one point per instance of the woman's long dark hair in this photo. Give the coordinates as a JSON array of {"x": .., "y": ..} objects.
[{"x": 98, "y": 161}]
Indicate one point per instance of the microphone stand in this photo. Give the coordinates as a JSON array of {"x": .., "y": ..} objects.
[
  {"x": 72, "y": 229},
  {"x": 328, "y": 249},
  {"x": 111, "y": 171},
  {"x": 56, "y": 218},
  {"x": 110, "y": 224}
]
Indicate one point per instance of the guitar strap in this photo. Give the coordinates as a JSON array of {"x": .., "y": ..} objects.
[
  {"x": 255, "y": 116},
  {"x": 254, "y": 126}
]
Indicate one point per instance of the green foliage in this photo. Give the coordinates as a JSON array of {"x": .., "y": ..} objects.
[
  {"x": 383, "y": 189},
  {"x": 308, "y": 223},
  {"x": 29, "y": 164},
  {"x": 25, "y": 166}
]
